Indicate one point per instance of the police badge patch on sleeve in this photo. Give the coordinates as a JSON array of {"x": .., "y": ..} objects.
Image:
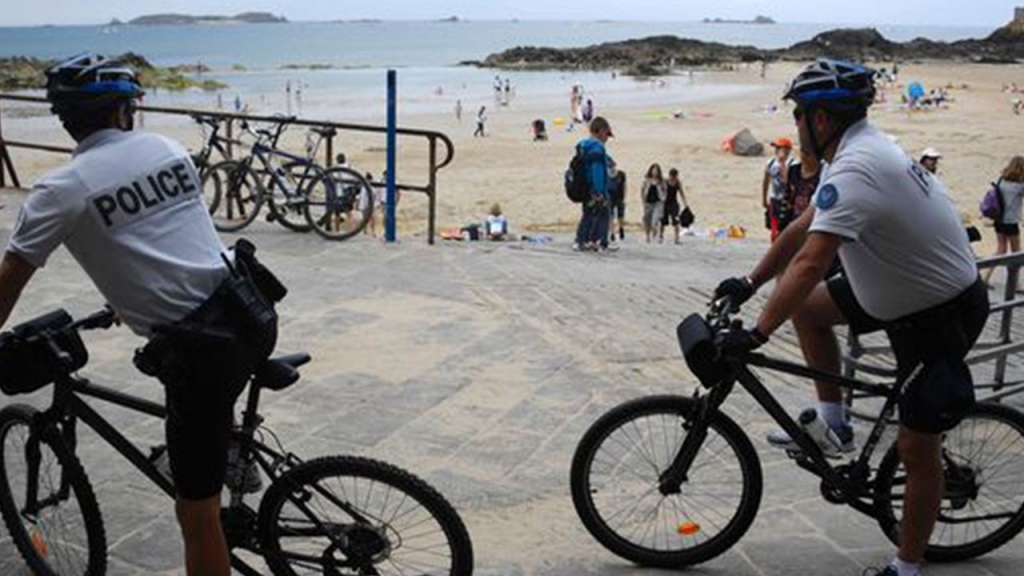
[{"x": 826, "y": 197}]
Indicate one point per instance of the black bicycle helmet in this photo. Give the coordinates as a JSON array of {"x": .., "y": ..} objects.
[
  {"x": 90, "y": 81},
  {"x": 833, "y": 85}
]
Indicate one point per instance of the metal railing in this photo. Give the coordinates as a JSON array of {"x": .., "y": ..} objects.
[
  {"x": 857, "y": 357},
  {"x": 432, "y": 137}
]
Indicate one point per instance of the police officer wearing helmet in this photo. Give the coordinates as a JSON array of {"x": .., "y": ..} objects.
[
  {"x": 908, "y": 270},
  {"x": 129, "y": 209}
]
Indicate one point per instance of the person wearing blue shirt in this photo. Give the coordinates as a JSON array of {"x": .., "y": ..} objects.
[{"x": 592, "y": 232}]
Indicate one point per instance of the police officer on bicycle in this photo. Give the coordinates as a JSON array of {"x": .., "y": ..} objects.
[
  {"x": 908, "y": 270},
  {"x": 129, "y": 209}
]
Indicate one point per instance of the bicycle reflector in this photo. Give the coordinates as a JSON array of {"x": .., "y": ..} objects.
[{"x": 698, "y": 345}]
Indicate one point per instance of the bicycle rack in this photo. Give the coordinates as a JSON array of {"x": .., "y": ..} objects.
[{"x": 432, "y": 137}]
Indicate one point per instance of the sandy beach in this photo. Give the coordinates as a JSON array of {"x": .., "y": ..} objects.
[{"x": 977, "y": 134}]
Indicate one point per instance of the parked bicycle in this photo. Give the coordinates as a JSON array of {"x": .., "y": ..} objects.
[
  {"x": 212, "y": 141},
  {"x": 336, "y": 202},
  {"x": 339, "y": 515},
  {"x": 671, "y": 481}
]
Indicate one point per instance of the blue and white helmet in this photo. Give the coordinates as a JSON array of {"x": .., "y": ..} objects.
[
  {"x": 834, "y": 85},
  {"x": 90, "y": 81}
]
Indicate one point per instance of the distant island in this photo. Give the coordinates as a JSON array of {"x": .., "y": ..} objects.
[
  {"x": 180, "y": 19},
  {"x": 756, "y": 20}
]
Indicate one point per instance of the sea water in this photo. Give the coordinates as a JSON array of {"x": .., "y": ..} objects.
[{"x": 254, "y": 60}]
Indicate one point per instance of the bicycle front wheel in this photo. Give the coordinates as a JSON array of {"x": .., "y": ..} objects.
[
  {"x": 46, "y": 501},
  {"x": 352, "y": 516},
  {"x": 615, "y": 484},
  {"x": 233, "y": 194},
  {"x": 983, "y": 500},
  {"x": 339, "y": 203}
]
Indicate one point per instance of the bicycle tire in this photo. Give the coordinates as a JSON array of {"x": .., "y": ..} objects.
[
  {"x": 616, "y": 427},
  {"x": 291, "y": 215},
  {"x": 47, "y": 552},
  {"x": 233, "y": 193},
  {"x": 339, "y": 203},
  {"x": 963, "y": 495},
  {"x": 376, "y": 546}
]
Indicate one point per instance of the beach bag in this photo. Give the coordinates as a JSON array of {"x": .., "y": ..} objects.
[
  {"x": 576, "y": 188},
  {"x": 28, "y": 361},
  {"x": 686, "y": 217},
  {"x": 991, "y": 205}
]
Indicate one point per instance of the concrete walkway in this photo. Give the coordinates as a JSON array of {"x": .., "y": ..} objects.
[{"x": 478, "y": 367}]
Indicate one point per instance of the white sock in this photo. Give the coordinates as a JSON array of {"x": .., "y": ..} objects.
[
  {"x": 905, "y": 568},
  {"x": 833, "y": 414}
]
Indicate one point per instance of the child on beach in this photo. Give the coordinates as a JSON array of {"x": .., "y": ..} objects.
[
  {"x": 673, "y": 194},
  {"x": 1010, "y": 187},
  {"x": 481, "y": 119},
  {"x": 652, "y": 193},
  {"x": 497, "y": 226}
]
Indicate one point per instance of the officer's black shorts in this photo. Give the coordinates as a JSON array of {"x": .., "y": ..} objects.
[
  {"x": 202, "y": 380},
  {"x": 929, "y": 347}
]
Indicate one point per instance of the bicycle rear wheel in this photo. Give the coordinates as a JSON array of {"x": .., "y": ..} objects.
[
  {"x": 339, "y": 203},
  {"x": 352, "y": 516},
  {"x": 615, "y": 484},
  {"x": 289, "y": 210},
  {"x": 983, "y": 502},
  {"x": 58, "y": 530},
  {"x": 233, "y": 193}
]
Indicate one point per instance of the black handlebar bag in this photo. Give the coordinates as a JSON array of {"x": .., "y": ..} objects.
[{"x": 28, "y": 361}]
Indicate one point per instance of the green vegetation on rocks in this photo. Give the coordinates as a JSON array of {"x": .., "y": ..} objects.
[{"x": 21, "y": 73}]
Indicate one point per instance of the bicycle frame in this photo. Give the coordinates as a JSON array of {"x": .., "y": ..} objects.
[{"x": 846, "y": 483}]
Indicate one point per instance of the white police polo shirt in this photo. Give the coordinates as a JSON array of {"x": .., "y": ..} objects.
[{"x": 129, "y": 209}]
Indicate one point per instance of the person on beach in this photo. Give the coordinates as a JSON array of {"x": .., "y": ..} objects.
[
  {"x": 458, "y": 111},
  {"x": 773, "y": 185},
  {"x": 159, "y": 263},
  {"x": 930, "y": 159},
  {"x": 617, "y": 218},
  {"x": 588, "y": 110},
  {"x": 673, "y": 194},
  {"x": 653, "y": 191},
  {"x": 481, "y": 120},
  {"x": 908, "y": 269},
  {"x": 497, "y": 225},
  {"x": 592, "y": 231},
  {"x": 801, "y": 183},
  {"x": 1010, "y": 187}
]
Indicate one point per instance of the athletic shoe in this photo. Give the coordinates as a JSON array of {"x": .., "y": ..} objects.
[
  {"x": 613, "y": 247},
  {"x": 575, "y": 247},
  {"x": 781, "y": 440},
  {"x": 887, "y": 571}
]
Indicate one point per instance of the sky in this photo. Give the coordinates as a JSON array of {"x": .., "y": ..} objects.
[{"x": 915, "y": 12}]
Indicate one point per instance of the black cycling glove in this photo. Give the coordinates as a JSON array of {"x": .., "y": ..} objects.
[
  {"x": 739, "y": 341},
  {"x": 738, "y": 289}
]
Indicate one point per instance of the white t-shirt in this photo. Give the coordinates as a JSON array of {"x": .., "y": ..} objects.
[
  {"x": 129, "y": 209},
  {"x": 906, "y": 249},
  {"x": 774, "y": 168},
  {"x": 495, "y": 225}
]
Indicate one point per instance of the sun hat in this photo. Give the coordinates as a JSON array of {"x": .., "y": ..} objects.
[
  {"x": 782, "y": 142},
  {"x": 931, "y": 153}
]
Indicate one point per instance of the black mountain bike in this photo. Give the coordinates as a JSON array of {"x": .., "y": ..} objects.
[
  {"x": 671, "y": 481},
  {"x": 335, "y": 515},
  {"x": 212, "y": 141}
]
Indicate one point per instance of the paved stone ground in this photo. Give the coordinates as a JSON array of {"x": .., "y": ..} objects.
[{"x": 478, "y": 367}]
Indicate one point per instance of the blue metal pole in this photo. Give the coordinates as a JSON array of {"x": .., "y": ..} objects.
[{"x": 389, "y": 217}]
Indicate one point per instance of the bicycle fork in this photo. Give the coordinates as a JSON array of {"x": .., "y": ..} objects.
[{"x": 696, "y": 426}]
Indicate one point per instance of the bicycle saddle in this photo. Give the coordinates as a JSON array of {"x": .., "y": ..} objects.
[{"x": 280, "y": 373}]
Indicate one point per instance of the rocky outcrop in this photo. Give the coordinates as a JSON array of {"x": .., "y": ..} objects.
[
  {"x": 20, "y": 73},
  {"x": 656, "y": 54}
]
